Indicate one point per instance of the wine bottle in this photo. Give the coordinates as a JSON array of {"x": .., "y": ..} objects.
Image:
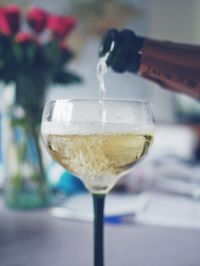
[{"x": 174, "y": 66}]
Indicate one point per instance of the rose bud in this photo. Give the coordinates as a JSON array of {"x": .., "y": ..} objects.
[
  {"x": 61, "y": 26},
  {"x": 37, "y": 19},
  {"x": 4, "y": 28},
  {"x": 25, "y": 37},
  {"x": 13, "y": 18},
  {"x": 9, "y": 20}
]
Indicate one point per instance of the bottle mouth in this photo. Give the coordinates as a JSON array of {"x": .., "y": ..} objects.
[
  {"x": 112, "y": 48},
  {"x": 121, "y": 50},
  {"x": 108, "y": 42}
]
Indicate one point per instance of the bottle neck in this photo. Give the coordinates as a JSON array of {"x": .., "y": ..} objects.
[{"x": 135, "y": 56}]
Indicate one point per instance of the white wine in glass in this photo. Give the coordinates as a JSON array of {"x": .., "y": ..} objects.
[{"x": 98, "y": 149}]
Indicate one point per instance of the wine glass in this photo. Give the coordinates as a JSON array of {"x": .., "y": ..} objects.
[{"x": 99, "y": 141}]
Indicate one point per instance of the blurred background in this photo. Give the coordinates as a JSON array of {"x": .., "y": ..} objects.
[
  {"x": 178, "y": 22},
  {"x": 173, "y": 166},
  {"x": 177, "y": 116}
]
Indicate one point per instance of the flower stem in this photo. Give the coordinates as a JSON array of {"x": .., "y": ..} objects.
[{"x": 41, "y": 179}]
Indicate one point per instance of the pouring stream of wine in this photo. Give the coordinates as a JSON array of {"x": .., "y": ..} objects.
[{"x": 102, "y": 69}]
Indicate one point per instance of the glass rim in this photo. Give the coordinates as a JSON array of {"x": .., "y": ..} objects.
[{"x": 124, "y": 100}]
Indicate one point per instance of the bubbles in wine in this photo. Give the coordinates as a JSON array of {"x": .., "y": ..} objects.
[
  {"x": 99, "y": 160},
  {"x": 93, "y": 128}
]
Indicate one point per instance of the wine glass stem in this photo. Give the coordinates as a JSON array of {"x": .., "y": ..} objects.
[{"x": 98, "y": 201}]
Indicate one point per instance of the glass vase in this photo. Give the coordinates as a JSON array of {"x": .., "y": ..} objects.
[{"x": 25, "y": 182}]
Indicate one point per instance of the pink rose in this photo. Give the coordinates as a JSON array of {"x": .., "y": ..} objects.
[
  {"x": 37, "y": 19},
  {"x": 9, "y": 19},
  {"x": 24, "y": 37},
  {"x": 61, "y": 26}
]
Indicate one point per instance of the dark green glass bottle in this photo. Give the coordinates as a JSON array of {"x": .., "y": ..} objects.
[{"x": 174, "y": 66}]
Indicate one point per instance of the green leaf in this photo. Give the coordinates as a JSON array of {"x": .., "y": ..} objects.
[
  {"x": 29, "y": 51},
  {"x": 66, "y": 56},
  {"x": 51, "y": 54},
  {"x": 17, "y": 52},
  {"x": 63, "y": 77}
]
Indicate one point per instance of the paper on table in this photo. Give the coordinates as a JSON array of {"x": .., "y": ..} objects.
[
  {"x": 117, "y": 206},
  {"x": 147, "y": 208},
  {"x": 171, "y": 210}
]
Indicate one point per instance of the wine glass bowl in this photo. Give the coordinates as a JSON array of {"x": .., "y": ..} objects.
[{"x": 99, "y": 141}]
